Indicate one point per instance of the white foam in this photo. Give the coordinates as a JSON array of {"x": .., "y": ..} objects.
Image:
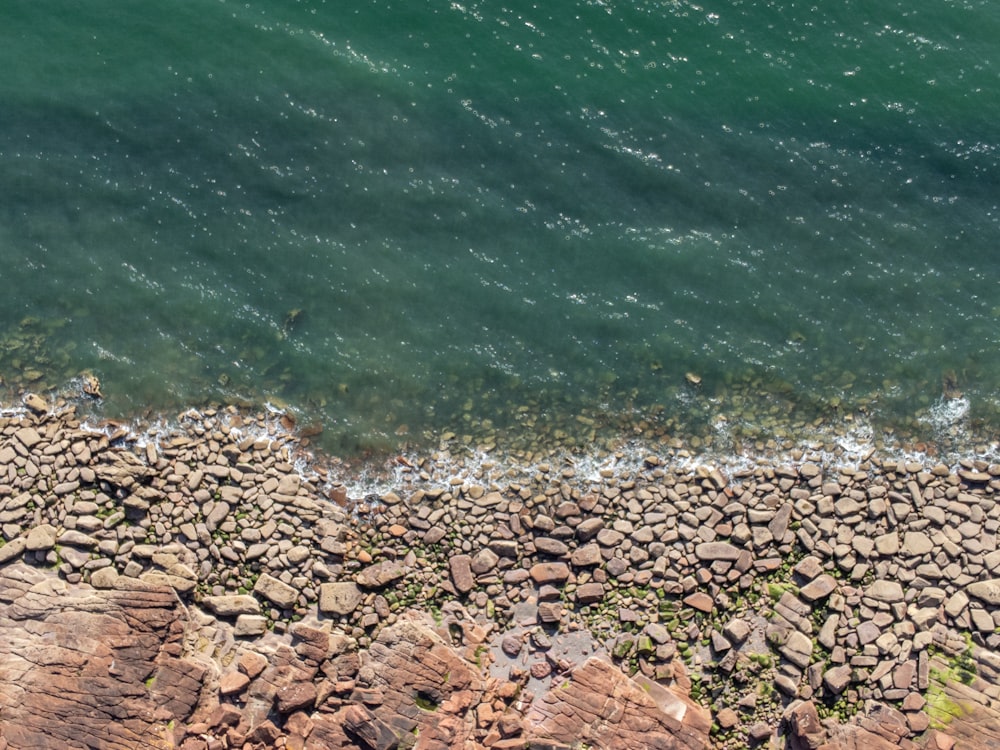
[{"x": 946, "y": 413}]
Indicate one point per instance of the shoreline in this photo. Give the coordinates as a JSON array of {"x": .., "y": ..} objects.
[
  {"x": 752, "y": 594},
  {"x": 732, "y": 418}
]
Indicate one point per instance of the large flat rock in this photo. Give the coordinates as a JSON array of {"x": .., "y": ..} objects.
[{"x": 81, "y": 667}]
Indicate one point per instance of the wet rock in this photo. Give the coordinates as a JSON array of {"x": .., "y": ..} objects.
[{"x": 35, "y": 403}]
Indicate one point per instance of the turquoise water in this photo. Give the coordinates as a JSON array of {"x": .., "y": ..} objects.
[{"x": 399, "y": 219}]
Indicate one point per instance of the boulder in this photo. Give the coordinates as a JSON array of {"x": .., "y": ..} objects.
[
  {"x": 717, "y": 551},
  {"x": 232, "y": 605},
  {"x": 339, "y": 598},
  {"x": 381, "y": 574},
  {"x": 549, "y": 573},
  {"x": 987, "y": 591},
  {"x": 275, "y": 591},
  {"x": 460, "y": 567}
]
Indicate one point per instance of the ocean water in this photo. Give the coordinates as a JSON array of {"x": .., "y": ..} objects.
[{"x": 525, "y": 223}]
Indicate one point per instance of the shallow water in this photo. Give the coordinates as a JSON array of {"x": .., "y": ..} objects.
[{"x": 521, "y": 222}]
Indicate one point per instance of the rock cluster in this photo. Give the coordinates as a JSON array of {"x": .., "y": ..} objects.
[{"x": 804, "y": 601}]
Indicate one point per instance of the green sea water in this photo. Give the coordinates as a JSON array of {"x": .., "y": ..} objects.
[{"x": 530, "y": 221}]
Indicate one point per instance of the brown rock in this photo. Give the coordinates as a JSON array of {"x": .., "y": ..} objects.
[
  {"x": 232, "y": 605},
  {"x": 590, "y": 593},
  {"x": 511, "y": 645},
  {"x": 818, "y": 588},
  {"x": 700, "y": 601},
  {"x": 233, "y": 683},
  {"x": 588, "y": 529},
  {"x": 717, "y": 551},
  {"x": 807, "y": 732},
  {"x": 366, "y": 729},
  {"x": 278, "y": 592},
  {"x": 299, "y": 696},
  {"x": 589, "y": 554},
  {"x": 13, "y": 549},
  {"x": 82, "y": 658},
  {"x": 540, "y": 669},
  {"x": 339, "y": 598},
  {"x": 460, "y": 567},
  {"x": 727, "y": 718},
  {"x": 837, "y": 678},
  {"x": 549, "y": 573},
  {"x": 28, "y": 437},
  {"x": 264, "y": 733},
  {"x": 550, "y": 612},
  {"x": 484, "y": 561},
  {"x": 601, "y": 707},
  {"x": 408, "y": 659},
  {"x": 551, "y": 547},
  {"x": 381, "y": 574},
  {"x": 41, "y": 537},
  {"x": 252, "y": 664},
  {"x": 250, "y": 626}
]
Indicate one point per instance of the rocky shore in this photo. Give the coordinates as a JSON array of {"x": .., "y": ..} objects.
[{"x": 210, "y": 584}]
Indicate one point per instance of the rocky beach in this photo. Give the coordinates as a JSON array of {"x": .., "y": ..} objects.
[{"x": 212, "y": 583}]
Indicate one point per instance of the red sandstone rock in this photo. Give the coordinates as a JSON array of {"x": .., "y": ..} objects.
[
  {"x": 89, "y": 668},
  {"x": 252, "y": 664},
  {"x": 233, "y": 683},
  {"x": 549, "y": 573},
  {"x": 601, "y": 706},
  {"x": 297, "y": 697},
  {"x": 807, "y": 733}
]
